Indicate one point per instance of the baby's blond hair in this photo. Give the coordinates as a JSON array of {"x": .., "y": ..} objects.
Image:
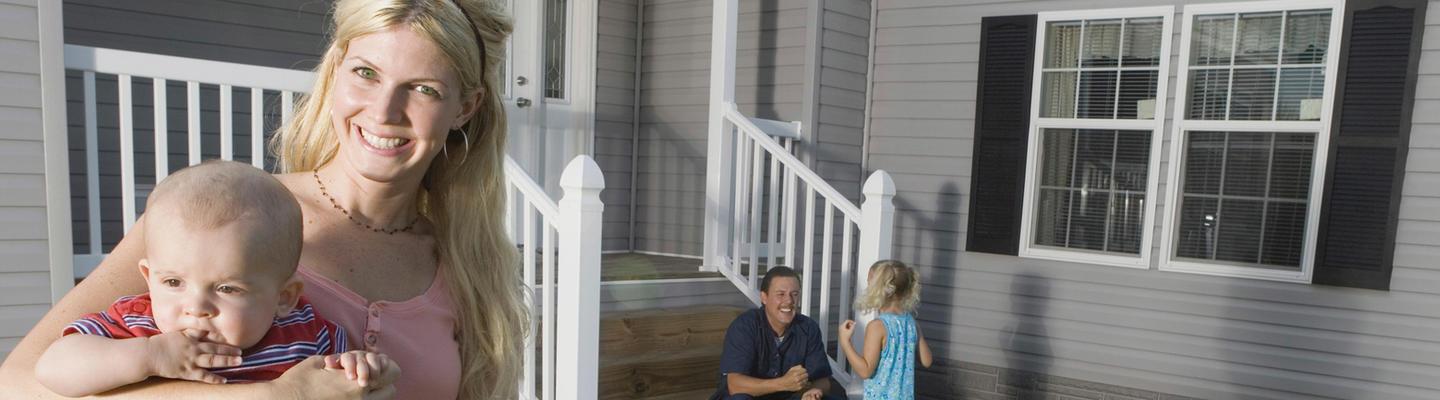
[
  {"x": 214, "y": 194},
  {"x": 894, "y": 284}
]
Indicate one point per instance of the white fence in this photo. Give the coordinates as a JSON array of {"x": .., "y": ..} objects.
[{"x": 557, "y": 240}]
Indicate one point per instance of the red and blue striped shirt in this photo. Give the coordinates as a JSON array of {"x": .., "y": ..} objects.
[{"x": 289, "y": 341}]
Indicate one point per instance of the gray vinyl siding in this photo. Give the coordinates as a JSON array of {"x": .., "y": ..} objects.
[
  {"x": 1185, "y": 334},
  {"x": 274, "y": 33},
  {"x": 843, "y": 56},
  {"x": 615, "y": 114},
  {"x": 24, "y": 252},
  {"x": 675, "y": 84}
]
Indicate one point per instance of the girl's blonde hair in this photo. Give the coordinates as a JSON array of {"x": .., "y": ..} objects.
[
  {"x": 892, "y": 283},
  {"x": 462, "y": 193}
]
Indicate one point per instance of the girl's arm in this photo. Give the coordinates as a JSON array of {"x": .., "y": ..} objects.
[
  {"x": 925, "y": 357},
  {"x": 874, "y": 342}
]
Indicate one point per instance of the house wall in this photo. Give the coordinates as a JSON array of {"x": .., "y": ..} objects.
[
  {"x": 24, "y": 253},
  {"x": 989, "y": 316},
  {"x": 839, "y": 119},
  {"x": 675, "y": 84},
  {"x": 615, "y": 64}
]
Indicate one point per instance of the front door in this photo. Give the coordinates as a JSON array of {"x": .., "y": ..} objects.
[{"x": 549, "y": 86}]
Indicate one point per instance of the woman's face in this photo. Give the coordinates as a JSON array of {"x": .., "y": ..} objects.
[{"x": 395, "y": 100}]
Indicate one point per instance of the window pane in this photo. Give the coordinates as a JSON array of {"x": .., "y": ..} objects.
[
  {"x": 1196, "y": 238},
  {"x": 1058, "y": 153},
  {"x": 1239, "y": 231},
  {"x": 1102, "y": 43},
  {"x": 1212, "y": 39},
  {"x": 1097, "y": 94},
  {"x": 1127, "y": 217},
  {"x": 555, "y": 34},
  {"x": 1247, "y": 160},
  {"x": 1087, "y": 219},
  {"x": 1052, "y": 224},
  {"x": 1253, "y": 95},
  {"x": 1290, "y": 173},
  {"x": 1302, "y": 92},
  {"x": 1259, "y": 220},
  {"x": 1142, "y": 42},
  {"x": 1132, "y": 160},
  {"x": 1204, "y": 154},
  {"x": 1259, "y": 41},
  {"x": 1062, "y": 44},
  {"x": 1209, "y": 93},
  {"x": 1307, "y": 37},
  {"x": 1284, "y": 239},
  {"x": 1092, "y": 192},
  {"x": 1057, "y": 97},
  {"x": 1137, "y": 94}
]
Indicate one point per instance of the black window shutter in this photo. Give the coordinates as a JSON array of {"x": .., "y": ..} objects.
[
  {"x": 1369, "y": 138},
  {"x": 1002, "y": 123}
]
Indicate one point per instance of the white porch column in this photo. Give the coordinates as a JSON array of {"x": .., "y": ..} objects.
[
  {"x": 720, "y": 156},
  {"x": 577, "y": 348},
  {"x": 877, "y": 232}
]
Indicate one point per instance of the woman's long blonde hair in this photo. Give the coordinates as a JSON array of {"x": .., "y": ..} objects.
[
  {"x": 892, "y": 283},
  {"x": 462, "y": 193}
]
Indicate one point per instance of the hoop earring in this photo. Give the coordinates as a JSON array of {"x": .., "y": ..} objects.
[{"x": 446, "y": 149}]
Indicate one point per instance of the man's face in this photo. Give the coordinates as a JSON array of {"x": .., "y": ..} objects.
[{"x": 780, "y": 300}]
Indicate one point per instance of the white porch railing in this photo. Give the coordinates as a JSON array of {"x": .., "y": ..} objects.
[
  {"x": 752, "y": 193},
  {"x": 568, "y": 233}
]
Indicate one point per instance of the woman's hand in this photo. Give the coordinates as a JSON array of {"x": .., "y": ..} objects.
[
  {"x": 360, "y": 365},
  {"x": 310, "y": 380}
]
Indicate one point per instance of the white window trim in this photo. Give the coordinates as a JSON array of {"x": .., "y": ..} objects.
[
  {"x": 1168, "y": 261},
  {"x": 1156, "y": 125},
  {"x": 565, "y": 70}
]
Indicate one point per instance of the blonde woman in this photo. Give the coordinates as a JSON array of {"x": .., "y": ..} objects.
[
  {"x": 396, "y": 157},
  {"x": 892, "y": 341}
]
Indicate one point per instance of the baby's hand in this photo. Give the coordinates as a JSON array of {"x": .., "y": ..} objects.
[
  {"x": 360, "y": 365},
  {"x": 185, "y": 355}
]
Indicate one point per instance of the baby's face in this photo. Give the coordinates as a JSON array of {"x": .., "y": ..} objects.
[{"x": 211, "y": 280}]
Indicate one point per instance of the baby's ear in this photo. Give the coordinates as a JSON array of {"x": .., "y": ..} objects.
[
  {"x": 289, "y": 296},
  {"x": 145, "y": 269}
]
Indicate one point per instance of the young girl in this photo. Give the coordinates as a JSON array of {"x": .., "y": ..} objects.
[{"x": 892, "y": 339}]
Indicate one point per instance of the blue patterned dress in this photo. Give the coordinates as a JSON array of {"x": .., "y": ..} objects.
[{"x": 894, "y": 378}]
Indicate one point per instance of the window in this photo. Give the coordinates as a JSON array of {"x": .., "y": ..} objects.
[
  {"x": 1094, "y": 135},
  {"x": 1251, "y": 125}
]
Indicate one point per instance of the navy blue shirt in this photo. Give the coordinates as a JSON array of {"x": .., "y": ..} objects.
[{"x": 753, "y": 349}]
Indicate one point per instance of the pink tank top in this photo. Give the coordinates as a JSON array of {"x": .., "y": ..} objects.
[{"x": 419, "y": 333}]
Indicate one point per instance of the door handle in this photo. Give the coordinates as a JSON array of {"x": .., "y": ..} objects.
[
  {"x": 520, "y": 80},
  {"x": 522, "y": 102}
]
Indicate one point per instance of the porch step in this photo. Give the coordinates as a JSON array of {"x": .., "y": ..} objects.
[
  {"x": 672, "y": 352},
  {"x": 691, "y": 395}
]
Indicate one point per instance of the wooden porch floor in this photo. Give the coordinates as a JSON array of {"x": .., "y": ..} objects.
[{"x": 637, "y": 266}]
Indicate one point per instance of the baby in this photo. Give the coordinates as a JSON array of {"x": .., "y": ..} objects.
[{"x": 222, "y": 242}]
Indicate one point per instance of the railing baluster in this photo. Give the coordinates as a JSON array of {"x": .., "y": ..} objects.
[
  {"x": 257, "y": 127},
  {"x": 772, "y": 213},
  {"x": 227, "y": 134},
  {"x": 192, "y": 112},
  {"x": 548, "y": 272},
  {"x": 845, "y": 277},
  {"x": 92, "y": 163},
  {"x": 741, "y": 164},
  {"x": 527, "y": 252},
  {"x": 162, "y": 130},
  {"x": 789, "y": 234},
  {"x": 127, "y": 152},
  {"x": 287, "y": 106},
  {"x": 757, "y": 186},
  {"x": 528, "y": 381},
  {"x": 825, "y": 265},
  {"x": 809, "y": 248}
]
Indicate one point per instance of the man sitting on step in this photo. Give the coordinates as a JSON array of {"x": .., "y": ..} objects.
[{"x": 774, "y": 352}]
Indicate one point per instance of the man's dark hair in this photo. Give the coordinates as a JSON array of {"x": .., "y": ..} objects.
[{"x": 777, "y": 272}]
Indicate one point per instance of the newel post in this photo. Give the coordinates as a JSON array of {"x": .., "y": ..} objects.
[
  {"x": 577, "y": 348},
  {"x": 877, "y": 231},
  {"x": 720, "y": 147}
]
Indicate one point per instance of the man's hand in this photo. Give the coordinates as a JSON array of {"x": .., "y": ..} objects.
[
  {"x": 812, "y": 394},
  {"x": 360, "y": 365},
  {"x": 185, "y": 355},
  {"x": 794, "y": 380}
]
